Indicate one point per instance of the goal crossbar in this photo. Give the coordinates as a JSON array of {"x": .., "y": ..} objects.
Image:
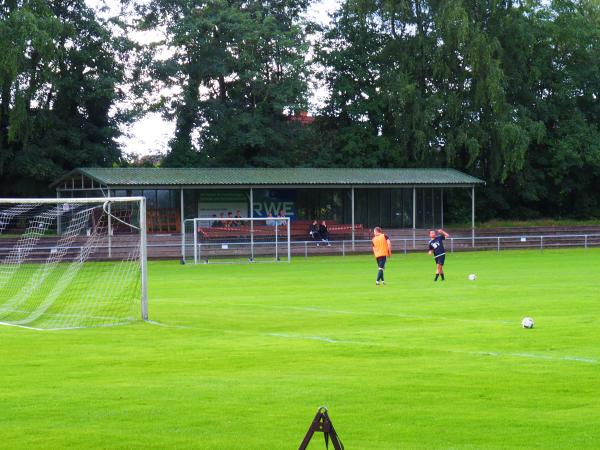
[{"x": 50, "y": 201}]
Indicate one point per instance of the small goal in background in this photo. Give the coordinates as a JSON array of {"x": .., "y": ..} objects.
[{"x": 236, "y": 240}]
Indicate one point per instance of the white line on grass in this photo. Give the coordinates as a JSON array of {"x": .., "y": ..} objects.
[
  {"x": 463, "y": 352},
  {"x": 315, "y": 338},
  {"x": 330, "y": 340},
  {"x": 373, "y": 313},
  {"x": 316, "y": 309},
  {"x": 530, "y": 356},
  {"x": 165, "y": 325},
  {"x": 120, "y": 324}
]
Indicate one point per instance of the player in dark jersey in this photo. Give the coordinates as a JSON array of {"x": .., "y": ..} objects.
[{"x": 436, "y": 248}]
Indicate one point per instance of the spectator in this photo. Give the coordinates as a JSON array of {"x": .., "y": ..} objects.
[
  {"x": 270, "y": 222},
  {"x": 215, "y": 222},
  {"x": 219, "y": 222},
  {"x": 238, "y": 216},
  {"x": 281, "y": 214},
  {"x": 324, "y": 233},
  {"x": 229, "y": 222},
  {"x": 313, "y": 231}
]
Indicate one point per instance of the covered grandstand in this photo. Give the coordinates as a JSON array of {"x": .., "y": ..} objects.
[{"x": 351, "y": 200}]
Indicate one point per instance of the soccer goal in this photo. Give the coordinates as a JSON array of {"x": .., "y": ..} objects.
[
  {"x": 72, "y": 263},
  {"x": 236, "y": 240}
]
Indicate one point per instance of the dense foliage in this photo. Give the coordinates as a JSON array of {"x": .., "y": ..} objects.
[
  {"x": 240, "y": 70},
  {"x": 506, "y": 90},
  {"x": 60, "y": 67}
]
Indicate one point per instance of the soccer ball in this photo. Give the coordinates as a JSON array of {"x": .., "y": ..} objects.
[
  {"x": 527, "y": 322},
  {"x": 472, "y": 277}
]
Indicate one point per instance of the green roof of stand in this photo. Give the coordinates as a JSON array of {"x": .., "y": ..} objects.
[{"x": 269, "y": 177}]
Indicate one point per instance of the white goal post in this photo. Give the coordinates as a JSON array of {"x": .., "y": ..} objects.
[
  {"x": 73, "y": 262},
  {"x": 236, "y": 240}
]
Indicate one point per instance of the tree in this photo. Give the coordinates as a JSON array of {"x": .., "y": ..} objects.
[
  {"x": 241, "y": 71},
  {"x": 60, "y": 69},
  {"x": 505, "y": 90}
]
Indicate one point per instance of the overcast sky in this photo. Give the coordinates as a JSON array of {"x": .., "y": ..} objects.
[{"x": 152, "y": 133}]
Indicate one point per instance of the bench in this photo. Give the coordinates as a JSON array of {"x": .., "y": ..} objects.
[{"x": 298, "y": 231}]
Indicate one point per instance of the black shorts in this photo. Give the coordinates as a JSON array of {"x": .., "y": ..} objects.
[
  {"x": 381, "y": 262},
  {"x": 440, "y": 259}
]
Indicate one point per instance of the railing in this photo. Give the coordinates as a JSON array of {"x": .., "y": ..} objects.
[
  {"x": 408, "y": 245},
  {"x": 497, "y": 243},
  {"x": 172, "y": 249}
]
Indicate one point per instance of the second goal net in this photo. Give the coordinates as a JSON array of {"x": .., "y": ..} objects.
[
  {"x": 236, "y": 240},
  {"x": 71, "y": 263}
]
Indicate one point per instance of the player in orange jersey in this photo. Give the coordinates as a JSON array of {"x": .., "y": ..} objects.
[{"x": 382, "y": 249}]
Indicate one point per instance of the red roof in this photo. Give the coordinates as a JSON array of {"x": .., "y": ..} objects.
[{"x": 303, "y": 118}]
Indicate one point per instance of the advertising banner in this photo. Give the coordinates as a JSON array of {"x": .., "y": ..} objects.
[
  {"x": 217, "y": 202},
  {"x": 272, "y": 201}
]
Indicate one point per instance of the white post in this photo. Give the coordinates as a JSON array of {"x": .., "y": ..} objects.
[
  {"x": 414, "y": 218},
  {"x": 276, "y": 240},
  {"x": 144, "y": 259},
  {"x": 110, "y": 228},
  {"x": 289, "y": 240},
  {"x": 432, "y": 208},
  {"x": 182, "y": 220},
  {"x": 442, "y": 206},
  {"x": 473, "y": 216},
  {"x": 252, "y": 223},
  {"x": 352, "y": 207},
  {"x": 194, "y": 227},
  {"x": 58, "y": 216}
]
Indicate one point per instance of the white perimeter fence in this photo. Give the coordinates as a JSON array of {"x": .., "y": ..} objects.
[
  {"x": 169, "y": 247},
  {"x": 345, "y": 247}
]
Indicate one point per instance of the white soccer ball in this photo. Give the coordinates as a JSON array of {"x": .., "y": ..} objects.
[
  {"x": 472, "y": 277},
  {"x": 527, "y": 322}
]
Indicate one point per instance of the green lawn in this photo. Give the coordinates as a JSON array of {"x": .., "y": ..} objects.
[{"x": 245, "y": 355}]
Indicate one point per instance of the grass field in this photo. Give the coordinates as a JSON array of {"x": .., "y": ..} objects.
[{"x": 244, "y": 356}]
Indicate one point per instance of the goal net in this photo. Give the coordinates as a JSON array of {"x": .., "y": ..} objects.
[
  {"x": 72, "y": 263},
  {"x": 236, "y": 240}
]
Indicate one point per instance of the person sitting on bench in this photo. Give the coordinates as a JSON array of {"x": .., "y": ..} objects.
[
  {"x": 217, "y": 222},
  {"x": 324, "y": 233},
  {"x": 229, "y": 222},
  {"x": 238, "y": 216},
  {"x": 270, "y": 222},
  {"x": 313, "y": 231}
]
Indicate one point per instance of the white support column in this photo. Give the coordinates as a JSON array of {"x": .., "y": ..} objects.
[
  {"x": 182, "y": 212},
  {"x": 289, "y": 240},
  {"x": 442, "y": 207},
  {"x": 473, "y": 216},
  {"x": 432, "y": 207},
  {"x": 58, "y": 216},
  {"x": 352, "y": 207},
  {"x": 195, "y": 228},
  {"x": 252, "y": 223},
  {"x": 276, "y": 240},
  {"x": 144, "y": 259},
  {"x": 414, "y": 218},
  {"x": 110, "y": 231}
]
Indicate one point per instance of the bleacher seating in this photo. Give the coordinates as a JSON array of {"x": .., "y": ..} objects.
[{"x": 299, "y": 231}]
